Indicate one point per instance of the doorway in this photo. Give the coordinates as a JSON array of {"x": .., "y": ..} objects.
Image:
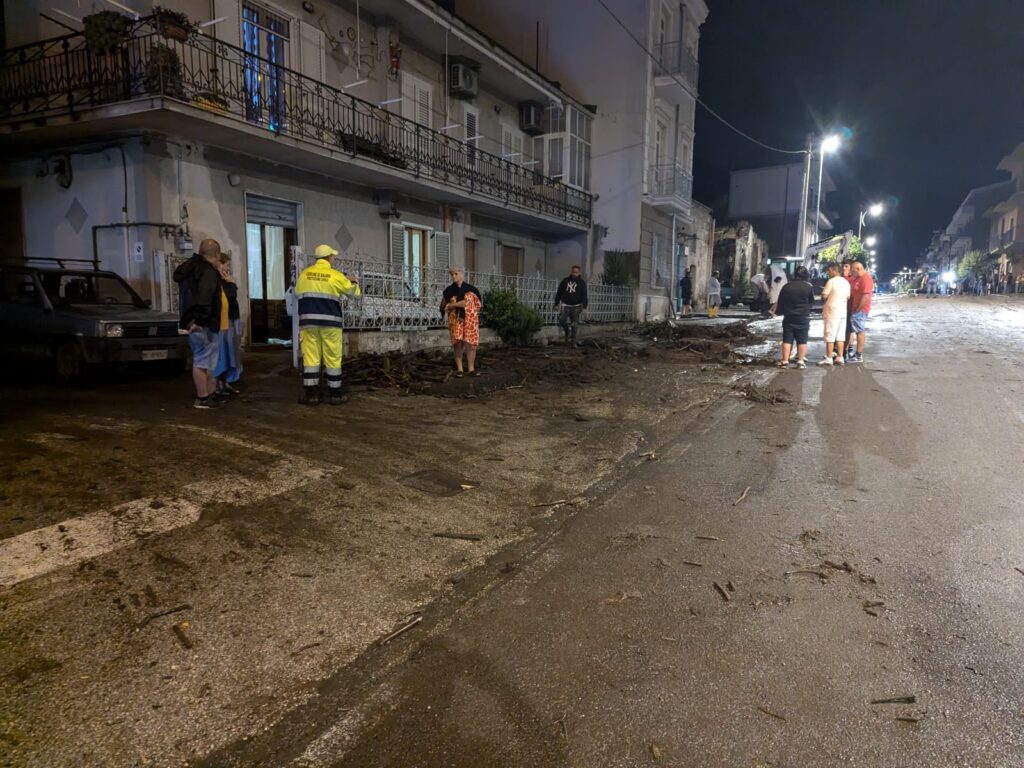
[
  {"x": 271, "y": 230},
  {"x": 511, "y": 260},
  {"x": 416, "y": 245}
]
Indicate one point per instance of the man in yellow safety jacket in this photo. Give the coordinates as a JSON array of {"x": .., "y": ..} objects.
[{"x": 318, "y": 293}]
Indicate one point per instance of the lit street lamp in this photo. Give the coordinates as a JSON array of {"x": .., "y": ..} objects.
[
  {"x": 829, "y": 144},
  {"x": 875, "y": 209},
  {"x": 870, "y": 241}
]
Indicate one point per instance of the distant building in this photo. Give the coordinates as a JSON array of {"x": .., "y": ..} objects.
[
  {"x": 739, "y": 253},
  {"x": 642, "y": 143},
  {"x": 968, "y": 229},
  {"x": 1006, "y": 217},
  {"x": 699, "y": 250},
  {"x": 769, "y": 200}
]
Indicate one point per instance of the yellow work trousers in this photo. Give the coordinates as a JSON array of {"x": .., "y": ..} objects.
[{"x": 320, "y": 346}]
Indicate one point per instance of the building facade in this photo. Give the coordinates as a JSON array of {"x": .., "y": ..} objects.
[
  {"x": 739, "y": 254},
  {"x": 390, "y": 129},
  {"x": 1006, "y": 217},
  {"x": 969, "y": 229},
  {"x": 643, "y": 97},
  {"x": 769, "y": 199}
]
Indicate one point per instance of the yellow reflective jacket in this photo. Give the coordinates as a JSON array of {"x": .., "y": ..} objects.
[{"x": 319, "y": 291}]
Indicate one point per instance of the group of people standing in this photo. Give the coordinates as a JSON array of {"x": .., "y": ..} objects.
[
  {"x": 846, "y": 299},
  {"x": 208, "y": 310}
]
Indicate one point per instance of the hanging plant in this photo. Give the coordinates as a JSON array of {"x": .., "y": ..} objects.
[
  {"x": 106, "y": 31},
  {"x": 163, "y": 72},
  {"x": 173, "y": 25}
]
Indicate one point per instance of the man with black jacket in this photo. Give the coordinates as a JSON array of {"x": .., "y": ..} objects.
[
  {"x": 572, "y": 298},
  {"x": 794, "y": 304},
  {"x": 200, "y": 296}
]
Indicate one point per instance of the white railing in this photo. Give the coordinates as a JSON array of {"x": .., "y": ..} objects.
[
  {"x": 676, "y": 59},
  {"x": 669, "y": 181}
]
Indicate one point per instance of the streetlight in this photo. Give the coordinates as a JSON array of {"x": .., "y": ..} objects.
[
  {"x": 875, "y": 209},
  {"x": 829, "y": 144},
  {"x": 870, "y": 241}
]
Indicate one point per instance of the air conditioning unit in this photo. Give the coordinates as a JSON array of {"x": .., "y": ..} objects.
[
  {"x": 531, "y": 118},
  {"x": 464, "y": 81}
]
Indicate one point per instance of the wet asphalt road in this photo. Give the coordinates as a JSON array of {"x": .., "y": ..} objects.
[{"x": 868, "y": 537}]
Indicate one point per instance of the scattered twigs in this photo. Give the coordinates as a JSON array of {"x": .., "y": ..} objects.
[
  {"x": 306, "y": 647},
  {"x": 460, "y": 536},
  {"x": 691, "y": 562},
  {"x": 742, "y": 496},
  {"x": 168, "y": 612},
  {"x": 182, "y": 635},
  {"x": 722, "y": 591},
  {"x": 401, "y": 630},
  {"x": 908, "y": 719},
  {"x": 771, "y": 714},
  {"x": 708, "y": 538},
  {"x": 765, "y": 395},
  {"x": 1019, "y": 570},
  {"x": 557, "y": 503},
  {"x": 896, "y": 700}
]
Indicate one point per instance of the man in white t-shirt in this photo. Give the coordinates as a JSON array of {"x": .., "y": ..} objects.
[
  {"x": 779, "y": 279},
  {"x": 835, "y": 295}
]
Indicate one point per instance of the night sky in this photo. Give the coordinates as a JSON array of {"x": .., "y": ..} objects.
[{"x": 931, "y": 90}]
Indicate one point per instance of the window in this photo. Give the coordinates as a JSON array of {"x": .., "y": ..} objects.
[
  {"x": 556, "y": 149},
  {"x": 512, "y": 144},
  {"x": 265, "y": 36},
  {"x": 417, "y": 99},
  {"x": 580, "y": 125},
  {"x": 471, "y": 126},
  {"x": 470, "y": 266}
]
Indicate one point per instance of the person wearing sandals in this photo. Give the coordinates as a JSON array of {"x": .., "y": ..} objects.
[
  {"x": 461, "y": 303},
  {"x": 795, "y": 300},
  {"x": 229, "y": 339}
]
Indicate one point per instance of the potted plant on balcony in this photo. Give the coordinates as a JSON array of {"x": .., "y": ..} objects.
[
  {"x": 163, "y": 74},
  {"x": 106, "y": 31},
  {"x": 173, "y": 25}
]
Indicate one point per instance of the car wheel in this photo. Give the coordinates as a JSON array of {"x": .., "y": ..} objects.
[{"x": 71, "y": 365}]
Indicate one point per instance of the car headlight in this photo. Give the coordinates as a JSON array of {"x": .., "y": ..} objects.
[{"x": 113, "y": 330}]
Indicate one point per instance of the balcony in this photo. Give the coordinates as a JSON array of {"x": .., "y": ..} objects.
[
  {"x": 1000, "y": 240},
  {"x": 675, "y": 60},
  {"x": 669, "y": 188},
  {"x": 221, "y": 95}
]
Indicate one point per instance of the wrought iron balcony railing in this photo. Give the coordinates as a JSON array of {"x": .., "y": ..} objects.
[
  {"x": 669, "y": 181},
  {"x": 676, "y": 59},
  {"x": 63, "y": 76}
]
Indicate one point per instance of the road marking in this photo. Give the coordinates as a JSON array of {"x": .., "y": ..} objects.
[{"x": 73, "y": 541}]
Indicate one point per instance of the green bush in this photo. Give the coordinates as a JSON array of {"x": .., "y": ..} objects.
[
  {"x": 621, "y": 268},
  {"x": 106, "y": 31},
  {"x": 514, "y": 322}
]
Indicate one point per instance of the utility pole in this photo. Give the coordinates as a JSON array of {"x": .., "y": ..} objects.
[{"x": 805, "y": 194}]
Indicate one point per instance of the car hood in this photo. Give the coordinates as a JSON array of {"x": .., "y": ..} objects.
[{"x": 116, "y": 314}]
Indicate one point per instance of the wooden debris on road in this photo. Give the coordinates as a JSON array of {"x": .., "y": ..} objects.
[
  {"x": 306, "y": 647},
  {"x": 771, "y": 714},
  {"x": 460, "y": 536},
  {"x": 1019, "y": 570},
  {"x": 707, "y": 538},
  {"x": 765, "y": 395},
  {"x": 650, "y": 456},
  {"x": 721, "y": 591},
  {"x": 691, "y": 562},
  {"x": 182, "y": 635},
  {"x": 742, "y": 496},
  {"x": 168, "y": 612},
  {"x": 896, "y": 700},
  {"x": 656, "y": 752},
  {"x": 550, "y": 503},
  {"x": 907, "y": 719},
  {"x": 401, "y": 630},
  {"x": 820, "y": 574},
  {"x": 623, "y": 597}
]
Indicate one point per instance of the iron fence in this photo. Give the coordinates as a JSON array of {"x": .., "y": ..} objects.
[
  {"x": 63, "y": 76},
  {"x": 398, "y": 297}
]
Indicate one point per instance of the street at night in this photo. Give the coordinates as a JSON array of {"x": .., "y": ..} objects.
[
  {"x": 511, "y": 384},
  {"x": 865, "y": 536}
]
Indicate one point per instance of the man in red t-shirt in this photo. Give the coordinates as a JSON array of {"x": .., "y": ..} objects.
[
  {"x": 860, "y": 305},
  {"x": 848, "y": 275}
]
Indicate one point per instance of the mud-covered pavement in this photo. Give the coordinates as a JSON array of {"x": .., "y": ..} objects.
[{"x": 175, "y": 583}]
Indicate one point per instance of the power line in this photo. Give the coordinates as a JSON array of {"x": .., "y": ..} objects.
[{"x": 696, "y": 98}]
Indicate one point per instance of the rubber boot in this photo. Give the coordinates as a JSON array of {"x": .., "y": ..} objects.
[
  {"x": 310, "y": 396},
  {"x": 337, "y": 397}
]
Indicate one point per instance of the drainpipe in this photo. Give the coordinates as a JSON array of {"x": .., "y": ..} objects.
[{"x": 672, "y": 285}]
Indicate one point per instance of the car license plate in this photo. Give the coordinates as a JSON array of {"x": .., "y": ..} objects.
[{"x": 154, "y": 354}]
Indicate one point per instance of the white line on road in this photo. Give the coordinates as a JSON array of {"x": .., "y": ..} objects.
[{"x": 43, "y": 550}]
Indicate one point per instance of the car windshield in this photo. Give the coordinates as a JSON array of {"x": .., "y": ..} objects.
[{"x": 68, "y": 288}]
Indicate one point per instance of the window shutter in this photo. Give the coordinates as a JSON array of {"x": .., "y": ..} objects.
[
  {"x": 423, "y": 109},
  {"x": 506, "y": 143},
  {"x": 441, "y": 247},
  {"x": 396, "y": 244},
  {"x": 230, "y": 30},
  {"x": 311, "y": 51}
]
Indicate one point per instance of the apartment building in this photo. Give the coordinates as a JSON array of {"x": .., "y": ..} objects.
[
  {"x": 968, "y": 228},
  {"x": 391, "y": 129},
  {"x": 643, "y": 96},
  {"x": 1006, "y": 217}
]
